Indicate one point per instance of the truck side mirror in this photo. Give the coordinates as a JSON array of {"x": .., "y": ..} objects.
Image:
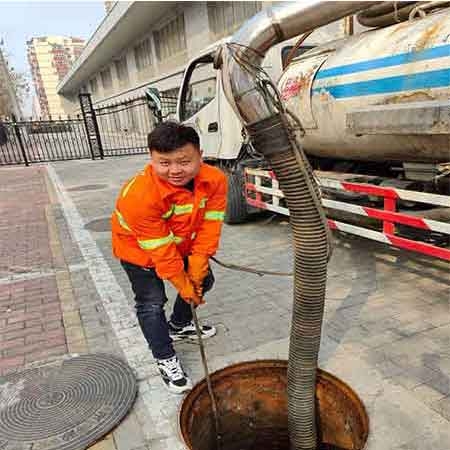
[
  {"x": 154, "y": 103},
  {"x": 3, "y": 134}
]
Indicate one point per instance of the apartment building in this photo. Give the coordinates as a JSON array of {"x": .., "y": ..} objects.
[
  {"x": 140, "y": 44},
  {"x": 9, "y": 104},
  {"x": 50, "y": 59}
]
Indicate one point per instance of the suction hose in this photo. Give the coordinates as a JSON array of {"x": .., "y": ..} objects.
[
  {"x": 257, "y": 102},
  {"x": 310, "y": 273}
]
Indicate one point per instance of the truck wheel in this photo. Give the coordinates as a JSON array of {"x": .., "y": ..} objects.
[{"x": 237, "y": 211}]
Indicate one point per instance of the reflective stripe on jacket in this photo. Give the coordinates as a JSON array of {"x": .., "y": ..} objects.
[{"x": 156, "y": 224}]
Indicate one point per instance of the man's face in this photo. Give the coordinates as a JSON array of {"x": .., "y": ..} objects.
[{"x": 177, "y": 167}]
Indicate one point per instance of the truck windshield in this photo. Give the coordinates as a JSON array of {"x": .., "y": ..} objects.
[{"x": 199, "y": 87}]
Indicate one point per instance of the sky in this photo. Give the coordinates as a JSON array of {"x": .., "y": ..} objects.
[{"x": 22, "y": 20}]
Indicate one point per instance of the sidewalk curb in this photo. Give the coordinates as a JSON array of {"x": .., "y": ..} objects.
[{"x": 75, "y": 337}]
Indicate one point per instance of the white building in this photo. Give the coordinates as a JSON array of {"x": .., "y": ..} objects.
[{"x": 149, "y": 43}]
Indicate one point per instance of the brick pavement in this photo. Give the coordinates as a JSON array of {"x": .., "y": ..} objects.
[
  {"x": 31, "y": 320},
  {"x": 386, "y": 329}
]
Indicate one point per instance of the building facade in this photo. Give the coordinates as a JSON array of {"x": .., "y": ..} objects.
[
  {"x": 50, "y": 59},
  {"x": 142, "y": 44},
  {"x": 9, "y": 103}
]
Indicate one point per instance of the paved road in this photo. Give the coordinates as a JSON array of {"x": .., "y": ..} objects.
[{"x": 386, "y": 329}]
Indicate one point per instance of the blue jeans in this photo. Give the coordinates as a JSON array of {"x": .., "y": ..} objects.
[{"x": 150, "y": 297}]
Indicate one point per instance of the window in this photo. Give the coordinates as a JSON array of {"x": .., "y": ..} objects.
[
  {"x": 122, "y": 69},
  {"x": 94, "y": 85},
  {"x": 200, "y": 87},
  {"x": 226, "y": 17},
  {"x": 143, "y": 54},
  {"x": 170, "y": 39},
  {"x": 285, "y": 52},
  {"x": 105, "y": 75}
]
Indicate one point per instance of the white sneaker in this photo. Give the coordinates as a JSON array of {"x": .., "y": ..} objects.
[
  {"x": 188, "y": 332},
  {"x": 173, "y": 375}
]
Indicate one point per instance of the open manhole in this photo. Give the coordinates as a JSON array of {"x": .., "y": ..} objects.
[
  {"x": 88, "y": 187},
  {"x": 68, "y": 406},
  {"x": 103, "y": 224},
  {"x": 252, "y": 404}
]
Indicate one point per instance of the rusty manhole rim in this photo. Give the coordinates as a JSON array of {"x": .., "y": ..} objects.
[{"x": 226, "y": 371}]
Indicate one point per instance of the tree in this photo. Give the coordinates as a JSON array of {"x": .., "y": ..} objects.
[
  {"x": 14, "y": 87},
  {"x": 21, "y": 86}
]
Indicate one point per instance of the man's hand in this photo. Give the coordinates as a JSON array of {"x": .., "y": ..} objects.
[
  {"x": 186, "y": 289},
  {"x": 197, "y": 271}
]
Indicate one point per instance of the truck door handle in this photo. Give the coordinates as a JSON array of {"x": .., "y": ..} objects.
[{"x": 213, "y": 127}]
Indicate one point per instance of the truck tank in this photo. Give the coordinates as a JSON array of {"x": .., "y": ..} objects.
[{"x": 382, "y": 95}]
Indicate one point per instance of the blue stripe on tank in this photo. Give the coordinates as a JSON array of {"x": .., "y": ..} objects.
[
  {"x": 421, "y": 80},
  {"x": 388, "y": 61}
]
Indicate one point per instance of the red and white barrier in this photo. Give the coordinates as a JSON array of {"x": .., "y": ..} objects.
[{"x": 389, "y": 217}]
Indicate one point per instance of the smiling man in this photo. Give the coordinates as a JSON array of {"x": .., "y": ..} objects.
[{"x": 166, "y": 225}]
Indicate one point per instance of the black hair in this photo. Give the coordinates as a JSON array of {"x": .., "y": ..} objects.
[{"x": 169, "y": 136}]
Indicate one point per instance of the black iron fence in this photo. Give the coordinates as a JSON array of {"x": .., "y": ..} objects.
[
  {"x": 124, "y": 126},
  {"x": 98, "y": 132},
  {"x": 44, "y": 140}
]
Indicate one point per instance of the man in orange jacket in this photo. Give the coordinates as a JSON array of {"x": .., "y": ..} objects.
[{"x": 166, "y": 225}]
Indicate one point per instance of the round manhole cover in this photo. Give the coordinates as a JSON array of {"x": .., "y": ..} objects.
[
  {"x": 68, "y": 407},
  {"x": 99, "y": 225},
  {"x": 88, "y": 187}
]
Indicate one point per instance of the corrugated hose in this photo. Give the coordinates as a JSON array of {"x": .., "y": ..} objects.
[{"x": 273, "y": 137}]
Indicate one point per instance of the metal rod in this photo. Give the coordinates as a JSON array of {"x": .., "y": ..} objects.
[
  {"x": 208, "y": 378},
  {"x": 19, "y": 140},
  {"x": 58, "y": 134},
  {"x": 84, "y": 106},
  {"x": 250, "y": 269}
]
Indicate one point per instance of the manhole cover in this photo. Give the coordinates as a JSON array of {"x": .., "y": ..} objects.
[
  {"x": 88, "y": 187},
  {"x": 67, "y": 407},
  {"x": 99, "y": 225}
]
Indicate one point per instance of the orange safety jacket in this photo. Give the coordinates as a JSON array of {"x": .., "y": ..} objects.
[{"x": 156, "y": 224}]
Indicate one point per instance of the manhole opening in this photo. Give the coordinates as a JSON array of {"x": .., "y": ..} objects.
[{"x": 252, "y": 403}]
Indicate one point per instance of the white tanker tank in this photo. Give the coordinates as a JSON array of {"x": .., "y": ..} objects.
[
  {"x": 376, "y": 103},
  {"x": 382, "y": 95}
]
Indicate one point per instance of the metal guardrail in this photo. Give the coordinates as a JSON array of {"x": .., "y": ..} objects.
[{"x": 262, "y": 191}]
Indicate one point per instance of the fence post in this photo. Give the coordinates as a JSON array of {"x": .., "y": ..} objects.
[
  {"x": 19, "y": 139},
  {"x": 90, "y": 122}
]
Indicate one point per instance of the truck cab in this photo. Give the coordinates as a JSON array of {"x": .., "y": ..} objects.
[{"x": 203, "y": 105}]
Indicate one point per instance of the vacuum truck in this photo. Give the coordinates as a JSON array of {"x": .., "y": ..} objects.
[
  {"x": 323, "y": 107},
  {"x": 373, "y": 106},
  {"x": 380, "y": 99}
]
